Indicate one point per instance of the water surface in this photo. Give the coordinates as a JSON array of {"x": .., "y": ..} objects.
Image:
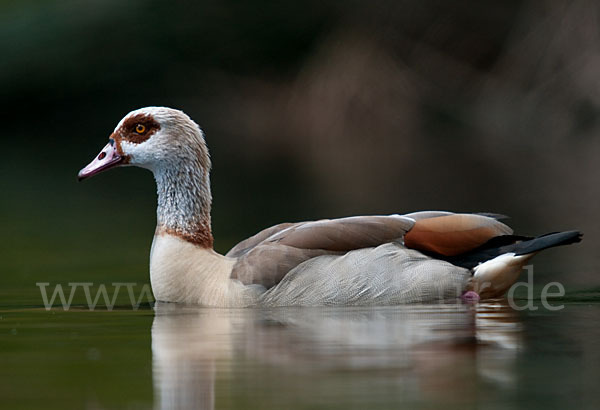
[{"x": 419, "y": 356}]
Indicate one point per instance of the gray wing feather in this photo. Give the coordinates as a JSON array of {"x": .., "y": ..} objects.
[
  {"x": 265, "y": 262},
  {"x": 434, "y": 214},
  {"x": 387, "y": 275},
  {"x": 427, "y": 214},
  {"x": 247, "y": 244},
  {"x": 345, "y": 234}
]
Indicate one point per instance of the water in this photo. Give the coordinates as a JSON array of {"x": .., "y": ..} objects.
[{"x": 424, "y": 356}]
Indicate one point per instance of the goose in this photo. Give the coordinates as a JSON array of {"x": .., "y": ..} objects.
[{"x": 394, "y": 259}]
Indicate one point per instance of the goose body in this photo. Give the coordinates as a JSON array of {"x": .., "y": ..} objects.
[{"x": 364, "y": 260}]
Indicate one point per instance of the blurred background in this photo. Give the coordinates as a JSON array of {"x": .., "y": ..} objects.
[{"x": 313, "y": 109}]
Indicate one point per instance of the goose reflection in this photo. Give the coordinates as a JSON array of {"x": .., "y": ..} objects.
[{"x": 414, "y": 352}]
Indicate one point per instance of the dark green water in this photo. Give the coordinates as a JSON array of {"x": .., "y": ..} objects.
[{"x": 426, "y": 356}]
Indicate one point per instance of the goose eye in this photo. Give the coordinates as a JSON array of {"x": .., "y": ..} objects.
[{"x": 140, "y": 128}]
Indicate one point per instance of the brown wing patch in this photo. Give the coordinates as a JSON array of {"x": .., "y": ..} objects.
[{"x": 453, "y": 234}]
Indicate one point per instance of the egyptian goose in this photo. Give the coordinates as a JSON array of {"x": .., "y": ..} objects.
[{"x": 362, "y": 260}]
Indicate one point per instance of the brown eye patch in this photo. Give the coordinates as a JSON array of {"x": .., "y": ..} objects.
[{"x": 138, "y": 128}]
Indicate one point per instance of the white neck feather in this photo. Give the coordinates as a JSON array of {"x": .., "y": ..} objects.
[{"x": 185, "y": 273}]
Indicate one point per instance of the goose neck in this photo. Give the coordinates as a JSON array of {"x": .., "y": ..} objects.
[{"x": 184, "y": 202}]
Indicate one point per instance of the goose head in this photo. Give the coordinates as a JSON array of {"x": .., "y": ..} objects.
[
  {"x": 168, "y": 143},
  {"x": 155, "y": 138}
]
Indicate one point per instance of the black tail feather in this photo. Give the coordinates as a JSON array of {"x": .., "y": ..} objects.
[
  {"x": 549, "y": 240},
  {"x": 520, "y": 245}
]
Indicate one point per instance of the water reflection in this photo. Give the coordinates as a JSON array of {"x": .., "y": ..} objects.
[{"x": 431, "y": 353}]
